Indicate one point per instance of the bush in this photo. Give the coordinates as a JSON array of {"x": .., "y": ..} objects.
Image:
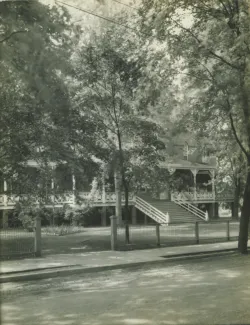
[
  {"x": 61, "y": 230},
  {"x": 27, "y": 219},
  {"x": 52, "y": 217},
  {"x": 75, "y": 216},
  {"x": 27, "y": 215},
  {"x": 66, "y": 216}
]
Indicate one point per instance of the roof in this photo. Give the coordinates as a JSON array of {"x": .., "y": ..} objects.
[{"x": 184, "y": 164}]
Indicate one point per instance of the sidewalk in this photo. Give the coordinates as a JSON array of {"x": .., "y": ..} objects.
[{"x": 66, "y": 264}]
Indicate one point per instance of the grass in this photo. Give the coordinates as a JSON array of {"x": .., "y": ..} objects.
[{"x": 61, "y": 230}]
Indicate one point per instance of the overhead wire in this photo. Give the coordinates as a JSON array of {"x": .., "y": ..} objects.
[{"x": 102, "y": 17}]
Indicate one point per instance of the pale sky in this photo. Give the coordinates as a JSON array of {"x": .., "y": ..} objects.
[{"x": 105, "y": 8}]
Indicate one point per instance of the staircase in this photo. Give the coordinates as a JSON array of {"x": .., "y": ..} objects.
[
  {"x": 163, "y": 211},
  {"x": 151, "y": 211}
]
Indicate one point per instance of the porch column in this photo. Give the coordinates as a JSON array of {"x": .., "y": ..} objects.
[
  {"x": 171, "y": 172},
  {"x": 74, "y": 188},
  {"x": 103, "y": 188},
  {"x": 5, "y": 186},
  {"x": 104, "y": 216},
  {"x": 216, "y": 209},
  {"x": 212, "y": 174},
  {"x": 213, "y": 210},
  {"x": 145, "y": 219},
  {"x": 5, "y": 219},
  {"x": 52, "y": 183},
  {"x": 53, "y": 187},
  {"x": 5, "y": 189},
  {"x": 232, "y": 209},
  {"x": 194, "y": 172},
  {"x": 134, "y": 221}
]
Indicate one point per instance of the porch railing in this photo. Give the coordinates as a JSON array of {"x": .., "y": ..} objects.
[
  {"x": 201, "y": 196},
  {"x": 65, "y": 198}
]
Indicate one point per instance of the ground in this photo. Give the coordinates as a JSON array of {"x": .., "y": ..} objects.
[{"x": 212, "y": 290}]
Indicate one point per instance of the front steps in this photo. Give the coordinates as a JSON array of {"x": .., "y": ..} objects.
[{"x": 177, "y": 214}]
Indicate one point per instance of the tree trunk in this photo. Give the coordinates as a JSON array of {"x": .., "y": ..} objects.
[
  {"x": 118, "y": 206},
  {"x": 126, "y": 207},
  {"x": 126, "y": 212},
  {"x": 244, "y": 220},
  {"x": 236, "y": 203}
]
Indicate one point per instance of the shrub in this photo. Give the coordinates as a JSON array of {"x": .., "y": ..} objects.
[
  {"x": 27, "y": 215},
  {"x": 27, "y": 219},
  {"x": 76, "y": 216},
  {"x": 61, "y": 230}
]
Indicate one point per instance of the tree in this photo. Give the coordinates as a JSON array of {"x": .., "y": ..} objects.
[
  {"x": 30, "y": 62},
  {"x": 217, "y": 138},
  {"x": 108, "y": 92},
  {"x": 36, "y": 116},
  {"x": 232, "y": 174},
  {"x": 210, "y": 41}
]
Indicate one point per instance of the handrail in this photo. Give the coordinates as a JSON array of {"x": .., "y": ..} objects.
[
  {"x": 191, "y": 208},
  {"x": 149, "y": 205},
  {"x": 153, "y": 212},
  {"x": 155, "y": 216}
]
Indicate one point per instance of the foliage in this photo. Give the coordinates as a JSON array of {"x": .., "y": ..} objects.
[
  {"x": 37, "y": 122},
  {"x": 27, "y": 217},
  {"x": 61, "y": 230},
  {"x": 30, "y": 65},
  {"x": 212, "y": 68},
  {"x": 108, "y": 93},
  {"x": 76, "y": 215}
]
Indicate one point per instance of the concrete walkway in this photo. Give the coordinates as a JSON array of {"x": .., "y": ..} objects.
[{"x": 66, "y": 264}]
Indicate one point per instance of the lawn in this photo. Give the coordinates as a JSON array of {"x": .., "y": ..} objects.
[{"x": 68, "y": 240}]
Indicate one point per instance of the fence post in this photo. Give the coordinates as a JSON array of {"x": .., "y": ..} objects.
[
  {"x": 113, "y": 222},
  {"x": 158, "y": 241},
  {"x": 38, "y": 237},
  {"x": 127, "y": 233},
  {"x": 197, "y": 232},
  {"x": 228, "y": 230}
]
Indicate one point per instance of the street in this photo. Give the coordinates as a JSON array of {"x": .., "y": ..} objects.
[{"x": 212, "y": 290}]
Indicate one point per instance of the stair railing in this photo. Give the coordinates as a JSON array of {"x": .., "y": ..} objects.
[
  {"x": 191, "y": 208},
  {"x": 151, "y": 211}
]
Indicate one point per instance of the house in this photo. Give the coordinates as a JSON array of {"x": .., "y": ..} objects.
[{"x": 193, "y": 197}]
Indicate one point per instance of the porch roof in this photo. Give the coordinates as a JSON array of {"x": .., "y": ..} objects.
[{"x": 185, "y": 164}]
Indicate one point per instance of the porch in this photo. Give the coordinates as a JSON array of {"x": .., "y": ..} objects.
[{"x": 194, "y": 183}]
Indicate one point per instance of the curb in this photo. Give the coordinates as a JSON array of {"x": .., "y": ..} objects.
[{"x": 67, "y": 270}]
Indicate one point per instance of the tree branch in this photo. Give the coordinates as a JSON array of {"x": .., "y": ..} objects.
[
  {"x": 97, "y": 92},
  {"x": 217, "y": 56},
  {"x": 11, "y": 34},
  {"x": 224, "y": 6},
  {"x": 114, "y": 106},
  {"x": 237, "y": 138}
]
